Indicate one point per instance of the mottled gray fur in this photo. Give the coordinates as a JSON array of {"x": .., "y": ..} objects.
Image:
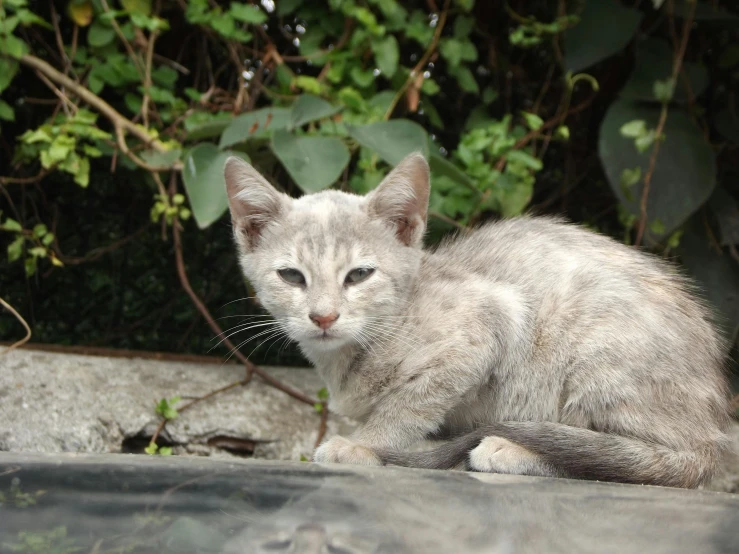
[{"x": 545, "y": 348}]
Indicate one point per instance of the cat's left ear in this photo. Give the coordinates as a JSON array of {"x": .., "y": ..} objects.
[
  {"x": 402, "y": 199},
  {"x": 254, "y": 203}
]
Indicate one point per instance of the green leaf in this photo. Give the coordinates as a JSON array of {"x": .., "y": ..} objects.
[
  {"x": 151, "y": 449},
  {"x": 644, "y": 142},
  {"x": 392, "y": 140},
  {"x": 323, "y": 394},
  {"x": 161, "y": 159},
  {"x": 11, "y": 225},
  {"x": 387, "y": 54},
  {"x": 204, "y": 182},
  {"x": 451, "y": 50},
  {"x": 605, "y": 28},
  {"x": 314, "y": 163},
  {"x": 165, "y": 451},
  {"x": 630, "y": 177},
  {"x": 13, "y": 46},
  {"x": 726, "y": 211},
  {"x": 465, "y": 79},
  {"x": 465, "y": 5},
  {"x": 309, "y": 108},
  {"x": 142, "y": 7},
  {"x": 248, "y": 13},
  {"x": 37, "y": 252},
  {"x": 318, "y": 407},
  {"x": 685, "y": 171},
  {"x": 351, "y": 98},
  {"x": 533, "y": 121},
  {"x": 654, "y": 63},
  {"x": 525, "y": 158},
  {"x": 166, "y": 409},
  {"x": 8, "y": 69},
  {"x": 633, "y": 129},
  {"x": 308, "y": 84},
  {"x": 100, "y": 34},
  {"x": 441, "y": 167},
  {"x": 257, "y": 124},
  {"x": 717, "y": 275},
  {"x": 6, "y": 112},
  {"x": 30, "y": 265},
  {"x": 39, "y": 230},
  {"x": 363, "y": 78},
  {"x": 706, "y": 13},
  {"x": 286, "y": 7},
  {"x": 663, "y": 90},
  {"x": 15, "y": 249}
]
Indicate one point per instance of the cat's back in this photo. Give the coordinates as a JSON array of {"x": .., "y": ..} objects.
[
  {"x": 565, "y": 275},
  {"x": 528, "y": 250}
]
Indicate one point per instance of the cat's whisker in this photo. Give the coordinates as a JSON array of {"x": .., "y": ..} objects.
[
  {"x": 238, "y": 300},
  {"x": 241, "y": 330},
  {"x": 247, "y": 341},
  {"x": 398, "y": 331},
  {"x": 242, "y": 315},
  {"x": 241, "y": 325},
  {"x": 275, "y": 334},
  {"x": 390, "y": 334}
]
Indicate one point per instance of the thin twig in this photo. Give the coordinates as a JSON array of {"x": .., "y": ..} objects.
[
  {"x": 422, "y": 62},
  {"x": 66, "y": 102},
  {"x": 124, "y": 40},
  {"x": 676, "y": 67},
  {"x": 323, "y": 426},
  {"x": 24, "y": 180},
  {"x": 147, "y": 78},
  {"x": 250, "y": 367},
  {"x": 211, "y": 394},
  {"x": 96, "y": 253},
  {"x": 19, "y": 317}
]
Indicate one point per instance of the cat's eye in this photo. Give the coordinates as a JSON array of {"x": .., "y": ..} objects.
[
  {"x": 358, "y": 275},
  {"x": 291, "y": 276}
]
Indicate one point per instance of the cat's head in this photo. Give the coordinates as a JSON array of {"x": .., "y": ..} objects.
[{"x": 331, "y": 267}]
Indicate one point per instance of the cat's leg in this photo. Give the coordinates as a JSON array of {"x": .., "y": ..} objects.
[
  {"x": 415, "y": 407},
  {"x": 339, "y": 450}
]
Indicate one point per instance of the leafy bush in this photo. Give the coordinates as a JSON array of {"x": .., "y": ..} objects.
[{"x": 621, "y": 116}]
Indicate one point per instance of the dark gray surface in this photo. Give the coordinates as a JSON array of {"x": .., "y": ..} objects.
[{"x": 110, "y": 502}]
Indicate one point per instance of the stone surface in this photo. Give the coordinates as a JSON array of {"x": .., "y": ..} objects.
[{"x": 71, "y": 403}]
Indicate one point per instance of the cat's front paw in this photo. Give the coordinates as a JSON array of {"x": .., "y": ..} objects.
[
  {"x": 499, "y": 455},
  {"x": 339, "y": 450}
]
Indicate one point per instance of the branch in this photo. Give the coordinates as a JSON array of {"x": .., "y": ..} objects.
[
  {"x": 19, "y": 317},
  {"x": 120, "y": 123},
  {"x": 422, "y": 62},
  {"x": 676, "y": 67}
]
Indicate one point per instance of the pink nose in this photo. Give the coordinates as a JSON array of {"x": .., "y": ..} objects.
[{"x": 324, "y": 321}]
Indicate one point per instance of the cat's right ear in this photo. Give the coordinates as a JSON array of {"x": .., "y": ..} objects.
[{"x": 252, "y": 200}]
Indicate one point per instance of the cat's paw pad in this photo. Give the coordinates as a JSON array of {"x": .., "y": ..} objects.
[
  {"x": 339, "y": 450},
  {"x": 499, "y": 455}
]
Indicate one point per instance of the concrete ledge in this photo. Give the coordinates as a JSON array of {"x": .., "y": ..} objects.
[
  {"x": 72, "y": 403},
  {"x": 51, "y": 402}
]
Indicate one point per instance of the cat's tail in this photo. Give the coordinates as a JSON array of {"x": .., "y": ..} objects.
[{"x": 579, "y": 453}]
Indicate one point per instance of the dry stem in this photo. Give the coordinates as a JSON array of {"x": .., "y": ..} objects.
[{"x": 19, "y": 317}]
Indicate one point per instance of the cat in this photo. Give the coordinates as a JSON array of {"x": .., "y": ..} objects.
[{"x": 544, "y": 348}]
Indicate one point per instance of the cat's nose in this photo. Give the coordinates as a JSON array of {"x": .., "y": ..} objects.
[{"x": 324, "y": 321}]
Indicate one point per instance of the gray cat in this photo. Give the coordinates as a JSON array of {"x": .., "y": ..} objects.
[{"x": 544, "y": 348}]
